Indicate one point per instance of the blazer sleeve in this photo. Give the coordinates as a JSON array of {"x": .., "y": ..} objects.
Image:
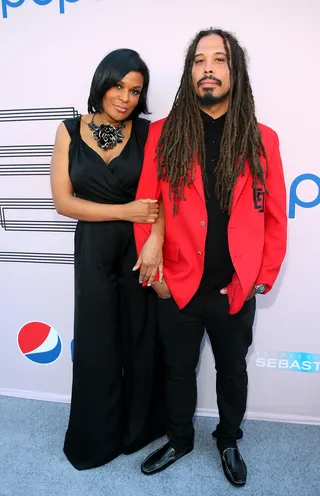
[
  {"x": 148, "y": 187},
  {"x": 276, "y": 220}
]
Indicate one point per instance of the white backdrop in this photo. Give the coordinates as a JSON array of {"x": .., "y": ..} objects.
[{"x": 49, "y": 51}]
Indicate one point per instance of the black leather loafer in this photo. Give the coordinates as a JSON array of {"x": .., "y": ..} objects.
[
  {"x": 234, "y": 467},
  {"x": 162, "y": 458}
]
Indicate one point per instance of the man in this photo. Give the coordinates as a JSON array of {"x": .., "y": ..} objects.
[{"x": 219, "y": 175}]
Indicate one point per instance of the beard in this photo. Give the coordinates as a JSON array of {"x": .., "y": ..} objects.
[{"x": 209, "y": 99}]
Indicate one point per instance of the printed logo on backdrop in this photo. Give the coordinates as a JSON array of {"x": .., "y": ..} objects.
[
  {"x": 7, "y": 4},
  {"x": 290, "y": 361},
  {"x": 294, "y": 198},
  {"x": 39, "y": 342},
  {"x": 32, "y": 215}
]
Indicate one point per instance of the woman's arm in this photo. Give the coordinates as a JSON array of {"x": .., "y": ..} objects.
[
  {"x": 159, "y": 227},
  {"x": 144, "y": 211},
  {"x": 150, "y": 259}
]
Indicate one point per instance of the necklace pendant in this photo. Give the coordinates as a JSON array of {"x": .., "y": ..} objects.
[{"x": 107, "y": 136}]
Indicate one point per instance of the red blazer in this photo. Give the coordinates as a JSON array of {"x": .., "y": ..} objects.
[{"x": 257, "y": 228}]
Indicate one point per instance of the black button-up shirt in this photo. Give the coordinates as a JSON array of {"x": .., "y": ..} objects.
[{"x": 218, "y": 267}]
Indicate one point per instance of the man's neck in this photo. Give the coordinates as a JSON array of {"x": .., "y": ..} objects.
[{"x": 216, "y": 111}]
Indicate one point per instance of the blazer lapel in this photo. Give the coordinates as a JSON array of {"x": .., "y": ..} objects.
[
  {"x": 240, "y": 184},
  {"x": 242, "y": 179},
  {"x": 198, "y": 183}
]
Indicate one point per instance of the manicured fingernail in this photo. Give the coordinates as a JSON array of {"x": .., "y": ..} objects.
[
  {"x": 134, "y": 268},
  {"x": 149, "y": 285},
  {"x": 161, "y": 281},
  {"x": 140, "y": 282}
]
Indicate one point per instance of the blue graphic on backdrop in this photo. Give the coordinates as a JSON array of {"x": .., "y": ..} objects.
[
  {"x": 289, "y": 360},
  {"x": 295, "y": 200},
  {"x": 18, "y": 3}
]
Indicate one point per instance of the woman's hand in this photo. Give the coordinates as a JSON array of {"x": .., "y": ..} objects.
[
  {"x": 150, "y": 259},
  {"x": 141, "y": 211}
]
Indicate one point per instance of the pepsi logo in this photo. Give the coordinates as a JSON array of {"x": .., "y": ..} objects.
[{"x": 39, "y": 342}]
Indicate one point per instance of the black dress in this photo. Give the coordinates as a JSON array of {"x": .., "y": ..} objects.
[{"x": 117, "y": 402}]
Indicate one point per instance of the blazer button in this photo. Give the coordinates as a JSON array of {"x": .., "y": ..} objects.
[
  {"x": 202, "y": 223},
  {"x": 199, "y": 253}
]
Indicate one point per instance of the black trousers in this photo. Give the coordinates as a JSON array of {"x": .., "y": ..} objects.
[
  {"x": 117, "y": 389},
  {"x": 181, "y": 332}
]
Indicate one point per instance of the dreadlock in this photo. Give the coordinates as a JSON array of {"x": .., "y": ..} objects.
[{"x": 182, "y": 137}]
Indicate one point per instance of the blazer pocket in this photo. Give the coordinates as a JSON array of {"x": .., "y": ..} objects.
[{"x": 171, "y": 252}]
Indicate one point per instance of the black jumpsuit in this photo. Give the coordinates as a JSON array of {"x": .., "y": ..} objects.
[{"x": 117, "y": 402}]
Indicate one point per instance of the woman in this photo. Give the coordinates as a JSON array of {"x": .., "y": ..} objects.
[{"x": 96, "y": 164}]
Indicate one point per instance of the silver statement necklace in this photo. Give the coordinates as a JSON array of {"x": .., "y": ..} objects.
[{"x": 107, "y": 136}]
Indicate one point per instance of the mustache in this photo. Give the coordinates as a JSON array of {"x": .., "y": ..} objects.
[{"x": 212, "y": 78}]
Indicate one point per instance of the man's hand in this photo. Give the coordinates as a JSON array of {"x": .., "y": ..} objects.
[
  {"x": 252, "y": 293},
  {"x": 162, "y": 290}
]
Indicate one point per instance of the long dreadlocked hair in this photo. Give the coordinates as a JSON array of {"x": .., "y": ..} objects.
[{"x": 182, "y": 137}]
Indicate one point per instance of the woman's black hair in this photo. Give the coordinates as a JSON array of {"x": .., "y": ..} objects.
[{"x": 110, "y": 71}]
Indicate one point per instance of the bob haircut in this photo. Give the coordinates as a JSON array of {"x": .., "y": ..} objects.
[{"x": 110, "y": 71}]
